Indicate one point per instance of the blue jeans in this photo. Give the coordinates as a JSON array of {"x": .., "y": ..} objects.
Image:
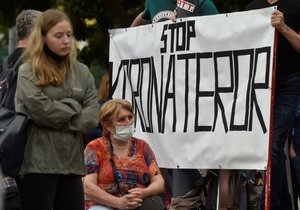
[
  {"x": 285, "y": 104},
  {"x": 296, "y": 140}
]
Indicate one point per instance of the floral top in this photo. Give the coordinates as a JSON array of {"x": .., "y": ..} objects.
[{"x": 133, "y": 171}]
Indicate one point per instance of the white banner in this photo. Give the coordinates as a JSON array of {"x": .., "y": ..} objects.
[{"x": 201, "y": 87}]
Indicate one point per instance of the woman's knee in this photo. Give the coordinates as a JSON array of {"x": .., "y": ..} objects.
[{"x": 100, "y": 207}]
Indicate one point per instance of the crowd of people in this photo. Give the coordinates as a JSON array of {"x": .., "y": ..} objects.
[{"x": 81, "y": 152}]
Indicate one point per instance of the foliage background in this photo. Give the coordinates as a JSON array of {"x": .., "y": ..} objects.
[{"x": 91, "y": 20}]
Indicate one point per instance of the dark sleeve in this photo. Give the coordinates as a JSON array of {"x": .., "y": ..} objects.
[
  {"x": 207, "y": 7},
  {"x": 146, "y": 12}
]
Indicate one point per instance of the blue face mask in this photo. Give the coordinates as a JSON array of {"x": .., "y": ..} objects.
[{"x": 124, "y": 132}]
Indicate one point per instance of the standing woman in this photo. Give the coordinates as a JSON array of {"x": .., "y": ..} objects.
[{"x": 58, "y": 94}]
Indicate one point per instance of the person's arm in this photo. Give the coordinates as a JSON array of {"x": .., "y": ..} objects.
[
  {"x": 102, "y": 197},
  {"x": 156, "y": 186},
  {"x": 67, "y": 113},
  {"x": 30, "y": 100},
  {"x": 292, "y": 36},
  {"x": 139, "y": 21},
  {"x": 87, "y": 119},
  {"x": 99, "y": 195},
  {"x": 157, "y": 183}
]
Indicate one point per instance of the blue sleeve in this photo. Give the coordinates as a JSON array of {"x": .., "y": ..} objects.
[
  {"x": 94, "y": 134},
  {"x": 207, "y": 7}
]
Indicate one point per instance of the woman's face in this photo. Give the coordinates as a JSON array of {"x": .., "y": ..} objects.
[
  {"x": 59, "y": 38},
  {"x": 122, "y": 117}
]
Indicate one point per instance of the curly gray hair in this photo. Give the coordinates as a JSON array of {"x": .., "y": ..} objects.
[{"x": 25, "y": 21}]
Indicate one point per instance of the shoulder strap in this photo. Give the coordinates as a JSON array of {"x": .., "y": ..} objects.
[
  {"x": 111, "y": 150},
  {"x": 15, "y": 65},
  {"x": 18, "y": 63},
  {"x": 12, "y": 70},
  {"x": 5, "y": 63}
]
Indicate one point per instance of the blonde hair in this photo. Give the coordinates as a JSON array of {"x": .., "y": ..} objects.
[
  {"x": 104, "y": 87},
  {"x": 111, "y": 108},
  {"x": 46, "y": 71}
]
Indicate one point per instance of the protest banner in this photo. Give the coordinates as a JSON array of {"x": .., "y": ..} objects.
[{"x": 201, "y": 87}]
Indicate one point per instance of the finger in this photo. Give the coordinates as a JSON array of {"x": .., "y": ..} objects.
[
  {"x": 132, "y": 196},
  {"x": 133, "y": 204},
  {"x": 135, "y": 191}
]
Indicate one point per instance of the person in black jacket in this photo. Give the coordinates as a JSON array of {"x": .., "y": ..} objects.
[
  {"x": 24, "y": 24},
  {"x": 103, "y": 96},
  {"x": 286, "y": 20}
]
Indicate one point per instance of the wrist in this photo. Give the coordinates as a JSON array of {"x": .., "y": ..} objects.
[
  {"x": 145, "y": 193},
  {"x": 283, "y": 29}
]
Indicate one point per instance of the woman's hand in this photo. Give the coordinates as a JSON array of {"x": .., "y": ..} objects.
[
  {"x": 130, "y": 201},
  {"x": 138, "y": 192}
]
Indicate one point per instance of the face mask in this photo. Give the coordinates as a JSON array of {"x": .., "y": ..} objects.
[{"x": 123, "y": 133}]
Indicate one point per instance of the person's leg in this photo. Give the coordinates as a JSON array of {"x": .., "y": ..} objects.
[
  {"x": 37, "y": 191},
  {"x": 12, "y": 199},
  {"x": 243, "y": 190},
  {"x": 11, "y": 195},
  {"x": 234, "y": 190},
  {"x": 295, "y": 146},
  {"x": 212, "y": 191},
  {"x": 69, "y": 194},
  {"x": 224, "y": 190},
  {"x": 295, "y": 162},
  {"x": 286, "y": 99}
]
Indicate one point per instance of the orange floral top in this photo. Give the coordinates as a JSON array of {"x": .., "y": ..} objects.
[{"x": 133, "y": 171}]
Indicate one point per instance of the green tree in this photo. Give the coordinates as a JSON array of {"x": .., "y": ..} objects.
[
  {"x": 103, "y": 15},
  {"x": 8, "y": 13}
]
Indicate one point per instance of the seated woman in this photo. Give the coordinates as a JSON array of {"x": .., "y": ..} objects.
[{"x": 136, "y": 167}]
